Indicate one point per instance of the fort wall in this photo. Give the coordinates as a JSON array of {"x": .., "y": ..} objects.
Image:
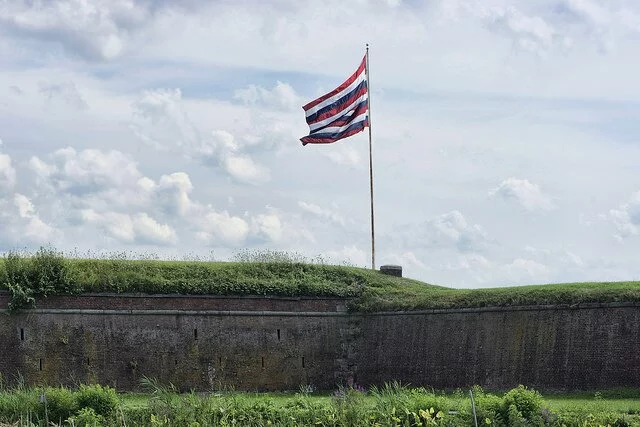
[{"x": 278, "y": 343}]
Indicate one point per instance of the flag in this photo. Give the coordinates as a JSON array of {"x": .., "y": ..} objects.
[{"x": 340, "y": 113}]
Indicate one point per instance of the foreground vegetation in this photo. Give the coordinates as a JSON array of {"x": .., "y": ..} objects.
[
  {"x": 391, "y": 405},
  {"x": 49, "y": 272}
]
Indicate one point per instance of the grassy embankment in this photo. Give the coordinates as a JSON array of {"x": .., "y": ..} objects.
[
  {"x": 48, "y": 272},
  {"x": 390, "y": 405}
]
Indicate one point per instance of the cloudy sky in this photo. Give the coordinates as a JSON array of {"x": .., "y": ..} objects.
[{"x": 506, "y": 133}]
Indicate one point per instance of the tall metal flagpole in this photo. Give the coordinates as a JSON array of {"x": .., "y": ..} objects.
[{"x": 373, "y": 234}]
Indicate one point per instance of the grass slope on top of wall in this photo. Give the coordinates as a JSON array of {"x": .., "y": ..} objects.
[
  {"x": 48, "y": 272},
  {"x": 412, "y": 296}
]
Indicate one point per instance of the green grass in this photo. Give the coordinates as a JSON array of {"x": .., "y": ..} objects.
[
  {"x": 415, "y": 296},
  {"x": 47, "y": 272},
  {"x": 389, "y": 405}
]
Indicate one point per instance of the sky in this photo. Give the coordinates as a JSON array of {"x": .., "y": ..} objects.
[{"x": 506, "y": 133}]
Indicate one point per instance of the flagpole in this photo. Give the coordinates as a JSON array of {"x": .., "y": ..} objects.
[{"x": 373, "y": 235}]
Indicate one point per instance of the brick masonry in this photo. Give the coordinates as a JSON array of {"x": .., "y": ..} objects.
[{"x": 272, "y": 343}]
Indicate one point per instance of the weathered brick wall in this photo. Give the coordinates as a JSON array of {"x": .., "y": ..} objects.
[
  {"x": 274, "y": 343},
  {"x": 591, "y": 347},
  {"x": 185, "y": 302}
]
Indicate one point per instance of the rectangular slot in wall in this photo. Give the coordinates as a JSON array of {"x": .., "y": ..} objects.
[
  {"x": 278, "y": 334},
  {"x": 220, "y": 361},
  {"x": 176, "y": 362},
  {"x": 21, "y": 334},
  {"x": 263, "y": 361},
  {"x": 41, "y": 364},
  {"x": 88, "y": 362},
  {"x": 303, "y": 362},
  {"x": 195, "y": 334}
]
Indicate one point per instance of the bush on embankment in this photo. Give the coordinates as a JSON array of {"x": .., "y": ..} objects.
[
  {"x": 44, "y": 405},
  {"x": 49, "y": 272}
]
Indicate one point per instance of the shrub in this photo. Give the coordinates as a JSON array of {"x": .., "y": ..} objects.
[
  {"x": 102, "y": 400},
  {"x": 526, "y": 402},
  {"x": 44, "y": 273},
  {"x": 57, "y": 404},
  {"x": 86, "y": 417},
  {"x": 488, "y": 406}
]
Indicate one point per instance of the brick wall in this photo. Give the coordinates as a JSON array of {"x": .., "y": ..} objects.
[
  {"x": 256, "y": 343},
  {"x": 186, "y": 302}
]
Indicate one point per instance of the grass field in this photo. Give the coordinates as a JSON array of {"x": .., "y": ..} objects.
[
  {"x": 390, "y": 405},
  {"x": 48, "y": 272}
]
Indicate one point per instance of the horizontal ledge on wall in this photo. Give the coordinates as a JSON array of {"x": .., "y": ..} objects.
[
  {"x": 195, "y": 296},
  {"x": 182, "y": 312},
  {"x": 260, "y": 313},
  {"x": 557, "y": 307}
]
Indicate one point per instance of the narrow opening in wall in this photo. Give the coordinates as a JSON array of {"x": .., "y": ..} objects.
[
  {"x": 263, "y": 362},
  {"x": 278, "y": 334},
  {"x": 220, "y": 361},
  {"x": 195, "y": 334},
  {"x": 88, "y": 362},
  {"x": 303, "y": 362},
  {"x": 21, "y": 334},
  {"x": 41, "y": 364},
  {"x": 176, "y": 362}
]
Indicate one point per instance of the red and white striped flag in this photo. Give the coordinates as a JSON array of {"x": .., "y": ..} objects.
[{"x": 340, "y": 113}]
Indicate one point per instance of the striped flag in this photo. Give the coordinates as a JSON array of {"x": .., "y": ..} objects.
[{"x": 340, "y": 113}]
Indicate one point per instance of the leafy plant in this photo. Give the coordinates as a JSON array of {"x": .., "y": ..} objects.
[
  {"x": 526, "y": 402},
  {"x": 86, "y": 417},
  {"x": 102, "y": 400},
  {"x": 57, "y": 404},
  {"x": 26, "y": 277}
]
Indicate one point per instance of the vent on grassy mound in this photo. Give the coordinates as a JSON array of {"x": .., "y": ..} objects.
[{"x": 391, "y": 270}]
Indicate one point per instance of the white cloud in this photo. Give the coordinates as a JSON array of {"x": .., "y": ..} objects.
[
  {"x": 220, "y": 228},
  {"x": 471, "y": 261},
  {"x": 138, "y": 228},
  {"x": 559, "y": 256},
  {"x": 343, "y": 155},
  {"x": 446, "y": 231},
  {"x": 86, "y": 171},
  {"x": 408, "y": 260},
  {"x": 106, "y": 190},
  {"x": 161, "y": 120},
  {"x": 172, "y": 193},
  {"x": 350, "y": 255},
  {"x": 20, "y": 223},
  {"x": 267, "y": 227},
  {"x": 100, "y": 179},
  {"x": 223, "y": 149},
  {"x": 321, "y": 212},
  {"x": 525, "y": 269},
  {"x": 529, "y": 195},
  {"x": 24, "y": 205},
  {"x": 282, "y": 96},
  {"x": 626, "y": 218},
  {"x": 530, "y": 33},
  {"x": 97, "y": 30},
  {"x": 244, "y": 169},
  {"x": 7, "y": 172},
  {"x": 66, "y": 92}
]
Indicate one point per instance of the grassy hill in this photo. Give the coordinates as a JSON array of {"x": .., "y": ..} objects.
[{"x": 48, "y": 273}]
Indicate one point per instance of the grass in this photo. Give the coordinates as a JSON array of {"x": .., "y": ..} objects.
[
  {"x": 390, "y": 405},
  {"x": 48, "y": 272},
  {"x": 412, "y": 296}
]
